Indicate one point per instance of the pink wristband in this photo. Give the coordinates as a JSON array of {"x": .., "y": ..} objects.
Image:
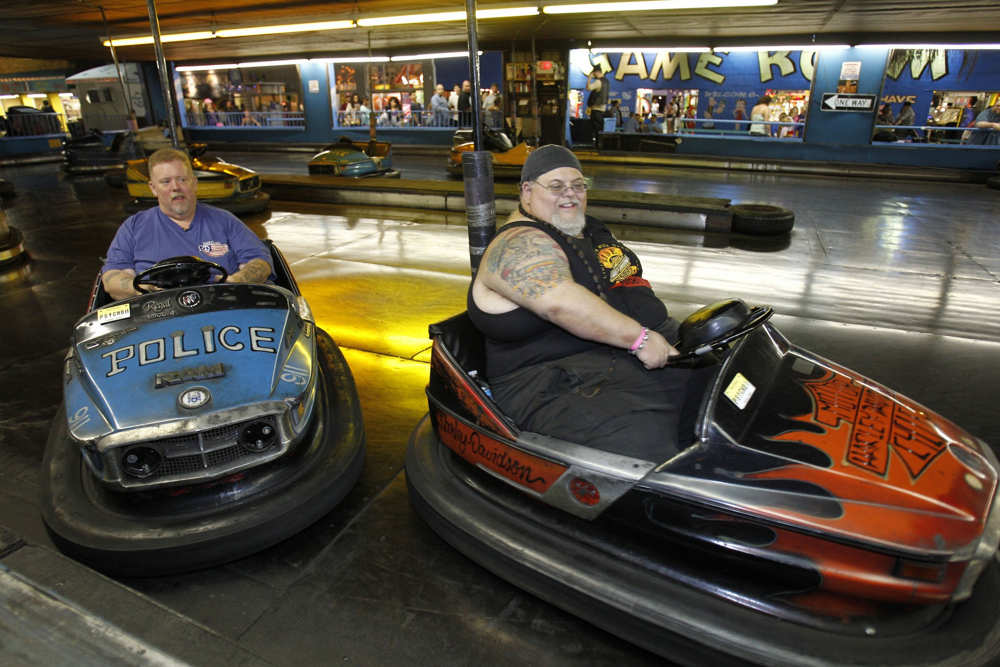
[{"x": 639, "y": 341}]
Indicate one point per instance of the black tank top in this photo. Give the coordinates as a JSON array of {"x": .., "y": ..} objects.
[{"x": 600, "y": 263}]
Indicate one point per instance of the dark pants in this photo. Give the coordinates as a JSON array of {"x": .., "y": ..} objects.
[
  {"x": 597, "y": 123},
  {"x": 605, "y": 399}
]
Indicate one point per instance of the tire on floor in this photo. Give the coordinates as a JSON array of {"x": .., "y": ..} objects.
[{"x": 762, "y": 219}]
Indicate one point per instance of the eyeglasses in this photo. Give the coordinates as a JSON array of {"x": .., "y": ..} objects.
[{"x": 560, "y": 188}]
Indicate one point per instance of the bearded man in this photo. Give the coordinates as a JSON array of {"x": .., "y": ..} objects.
[{"x": 576, "y": 340}]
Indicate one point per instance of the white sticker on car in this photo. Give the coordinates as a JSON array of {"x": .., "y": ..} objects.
[
  {"x": 739, "y": 391},
  {"x": 121, "y": 311}
]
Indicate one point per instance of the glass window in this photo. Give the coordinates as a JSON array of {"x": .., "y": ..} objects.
[
  {"x": 934, "y": 96},
  {"x": 392, "y": 93},
  {"x": 244, "y": 97}
]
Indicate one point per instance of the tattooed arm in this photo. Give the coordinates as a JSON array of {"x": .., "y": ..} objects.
[
  {"x": 526, "y": 267},
  {"x": 118, "y": 283},
  {"x": 254, "y": 271}
]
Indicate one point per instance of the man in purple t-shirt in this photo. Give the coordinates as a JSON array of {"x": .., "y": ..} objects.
[{"x": 181, "y": 226}]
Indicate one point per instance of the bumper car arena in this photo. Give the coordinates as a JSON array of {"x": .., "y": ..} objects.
[
  {"x": 341, "y": 462},
  {"x": 320, "y": 449}
]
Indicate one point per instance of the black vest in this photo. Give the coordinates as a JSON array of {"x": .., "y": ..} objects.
[
  {"x": 599, "y": 97},
  {"x": 600, "y": 263}
]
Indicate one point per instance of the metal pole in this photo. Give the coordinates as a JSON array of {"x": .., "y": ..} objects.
[
  {"x": 536, "y": 128},
  {"x": 470, "y": 24},
  {"x": 161, "y": 66},
  {"x": 133, "y": 124},
  {"x": 477, "y": 165}
]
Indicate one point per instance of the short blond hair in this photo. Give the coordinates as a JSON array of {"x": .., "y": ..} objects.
[{"x": 165, "y": 155}]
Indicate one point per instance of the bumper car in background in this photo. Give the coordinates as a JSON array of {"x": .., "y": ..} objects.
[
  {"x": 355, "y": 159},
  {"x": 220, "y": 184},
  {"x": 199, "y": 424},
  {"x": 818, "y": 519},
  {"x": 508, "y": 159},
  {"x": 90, "y": 154}
]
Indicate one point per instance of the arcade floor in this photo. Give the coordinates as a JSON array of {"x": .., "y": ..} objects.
[{"x": 899, "y": 280}]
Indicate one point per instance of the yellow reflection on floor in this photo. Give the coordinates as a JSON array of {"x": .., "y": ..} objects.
[
  {"x": 392, "y": 400},
  {"x": 378, "y": 308}
]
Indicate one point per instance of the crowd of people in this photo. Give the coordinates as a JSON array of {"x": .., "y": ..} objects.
[
  {"x": 447, "y": 109},
  {"x": 227, "y": 113}
]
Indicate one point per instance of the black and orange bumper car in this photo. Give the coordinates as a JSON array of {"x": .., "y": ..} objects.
[{"x": 819, "y": 518}]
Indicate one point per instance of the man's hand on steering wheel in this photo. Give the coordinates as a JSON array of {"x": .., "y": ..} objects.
[{"x": 656, "y": 351}]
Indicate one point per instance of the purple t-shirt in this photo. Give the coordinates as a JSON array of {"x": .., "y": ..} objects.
[{"x": 216, "y": 235}]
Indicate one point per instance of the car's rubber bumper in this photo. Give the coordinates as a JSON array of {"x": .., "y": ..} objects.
[
  {"x": 553, "y": 556},
  {"x": 200, "y": 526},
  {"x": 254, "y": 203},
  {"x": 80, "y": 168}
]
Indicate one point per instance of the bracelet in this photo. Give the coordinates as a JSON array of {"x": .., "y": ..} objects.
[{"x": 639, "y": 341}]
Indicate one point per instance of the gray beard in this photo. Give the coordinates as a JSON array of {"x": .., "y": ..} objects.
[{"x": 570, "y": 224}]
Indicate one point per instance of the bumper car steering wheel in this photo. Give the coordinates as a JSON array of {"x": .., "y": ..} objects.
[
  {"x": 181, "y": 271},
  {"x": 717, "y": 325}
]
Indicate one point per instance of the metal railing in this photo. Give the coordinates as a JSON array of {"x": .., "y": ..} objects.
[
  {"x": 721, "y": 127},
  {"x": 403, "y": 119},
  {"x": 923, "y": 134},
  {"x": 244, "y": 119},
  {"x": 31, "y": 124}
]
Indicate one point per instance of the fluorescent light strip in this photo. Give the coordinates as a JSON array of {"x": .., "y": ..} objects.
[
  {"x": 273, "y": 63},
  {"x": 653, "y": 5},
  {"x": 10, "y": 97},
  {"x": 205, "y": 68},
  {"x": 411, "y": 18},
  {"x": 37, "y": 96},
  {"x": 801, "y": 47},
  {"x": 429, "y": 56},
  {"x": 148, "y": 39},
  {"x": 358, "y": 59},
  {"x": 407, "y": 19},
  {"x": 966, "y": 47},
  {"x": 284, "y": 29},
  {"x": 650, "y": 49}
]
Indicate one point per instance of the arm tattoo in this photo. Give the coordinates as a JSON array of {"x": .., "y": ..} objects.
[
  {"x": 529, "y": 262},
  {"x": 254, "y": 271}
]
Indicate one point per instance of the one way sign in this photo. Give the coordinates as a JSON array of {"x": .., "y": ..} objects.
[{"x": 847, "y": 102}]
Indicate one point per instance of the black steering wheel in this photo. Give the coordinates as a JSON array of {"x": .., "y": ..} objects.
[
  {"x": 717, "y": 325},
  {"x": 181, "y": 271}
]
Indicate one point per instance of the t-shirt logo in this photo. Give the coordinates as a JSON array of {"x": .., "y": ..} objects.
[
  {"x": 617, "y": 264},
  {"x": 213, "y": 248}
]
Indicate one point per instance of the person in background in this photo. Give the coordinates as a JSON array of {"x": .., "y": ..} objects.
[
  {"x": 465, "y": 105},
  {"x": 631, "y": 122},
  {"x": 47, "y": 107},
  {"x": 248, "y": 118},
  {"x": 393, "y": 115},
  {"x": 440, "y": 107},
  {"x": 492, "y": 115},
  {"x": 785, "y": 130},
  {"x": 907, "y": 116},
  {"x": 180, "y": 226},
  {"x": 351, "y": 110},
  {"x": 759, "y": 114},
  {"x": 616, "y": 112},
  {"x": 986, "y": 128},
  {"x": 597, "y": 101},
  {"x": 456, "y": 92},
  {"x": 211, "y": 115},
  {"x": 363, "y": 112},
  {"x": 740, "y": 113}
]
